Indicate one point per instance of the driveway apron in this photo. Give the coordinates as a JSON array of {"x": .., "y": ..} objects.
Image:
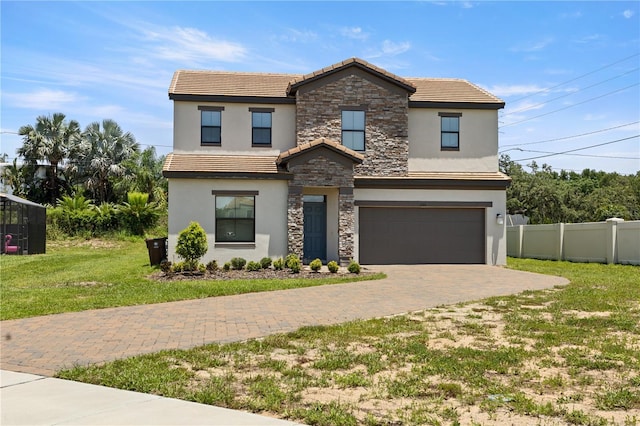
[{"x": 44, "y": 345}]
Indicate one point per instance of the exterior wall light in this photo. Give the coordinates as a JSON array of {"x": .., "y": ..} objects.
[{"x": 499, "y": 219}]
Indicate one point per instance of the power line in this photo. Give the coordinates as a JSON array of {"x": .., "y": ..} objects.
[
  {"x": 571, "y": 106},
  {"x": 576, "y": 78},
  {"x": 578, "y": 149},
  {"x": 582, "y": 155},
  {"x": 571, "y": 137},
  {"x": 569, "y": 94}
]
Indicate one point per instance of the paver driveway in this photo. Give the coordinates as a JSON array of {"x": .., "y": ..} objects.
[{"x": 44, "y": 345}]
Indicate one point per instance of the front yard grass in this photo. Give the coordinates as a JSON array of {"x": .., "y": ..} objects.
[
  {"x": 568, "y": 355},
  {"x": 77, "y": 275}
]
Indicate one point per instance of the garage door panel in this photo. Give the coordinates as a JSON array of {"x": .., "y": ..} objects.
[{"x": 421, "y": 235}]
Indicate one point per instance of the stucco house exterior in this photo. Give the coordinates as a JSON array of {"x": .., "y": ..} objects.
[{"x": 347, "y": 162}]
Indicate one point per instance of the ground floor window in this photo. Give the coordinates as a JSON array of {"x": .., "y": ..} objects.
[{"x": 235, "y": 218}]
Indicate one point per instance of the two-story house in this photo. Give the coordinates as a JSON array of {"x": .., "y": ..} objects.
[{"x": 348, "y": 162}]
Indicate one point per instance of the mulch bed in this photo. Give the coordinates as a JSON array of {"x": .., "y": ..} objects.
[{"x": 270, "y": 273}]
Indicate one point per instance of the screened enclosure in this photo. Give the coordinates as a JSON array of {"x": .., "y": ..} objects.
[{"x": 23, "y": 226}]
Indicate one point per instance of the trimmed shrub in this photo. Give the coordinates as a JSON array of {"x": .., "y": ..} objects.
[
  {"x": 165, "y": 266},
  {"x": 253, "y": 266},
  {"x": 290, "y": 257},
  {"x": 295, "y": 265},
  {"x": 238, "y": 263},
  {"x": 265, "y": 262},
  {"x": 278, "y": 264},
  {"x": 201, "y": 268},
  {"x": 315, "y": 265},
  {"x": 192, "y": 243},
  {"x": 212, "y": 266},
  {"x": 226, "y": 266},
  {"x": 354, "y": 267},
  {"x": 178, "y": 267},
  {"x": 333, "y": 266}
]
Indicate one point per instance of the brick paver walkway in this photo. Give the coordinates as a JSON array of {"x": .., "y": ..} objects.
[{"x": 44, "y": 345}]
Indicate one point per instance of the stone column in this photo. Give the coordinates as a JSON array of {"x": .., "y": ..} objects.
[
  {"x": 295, "y": 220},
  {"x": 346, "y": 229}
]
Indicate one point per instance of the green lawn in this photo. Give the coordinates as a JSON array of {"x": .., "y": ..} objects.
[
  {"x": 77, "y": 275},
  {"x": 568, "y": 355}
]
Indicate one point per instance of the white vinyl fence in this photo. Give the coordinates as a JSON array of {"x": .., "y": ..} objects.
[{"x": 613, "y": 241}]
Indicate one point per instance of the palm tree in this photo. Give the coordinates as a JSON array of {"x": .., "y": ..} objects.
[
  {"x": 110, "y": 147},
  {"x": 50, "y": 140},
  {"x": 144, "y": 174}
]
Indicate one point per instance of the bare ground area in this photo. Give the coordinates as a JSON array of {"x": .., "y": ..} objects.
[{"x": 453, "y": 365}]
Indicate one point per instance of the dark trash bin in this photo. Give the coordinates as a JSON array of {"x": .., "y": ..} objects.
[{"x": 157, "y": 250}]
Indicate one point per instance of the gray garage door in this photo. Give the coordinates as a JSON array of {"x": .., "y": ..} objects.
[{"x": 421, "y": 235}]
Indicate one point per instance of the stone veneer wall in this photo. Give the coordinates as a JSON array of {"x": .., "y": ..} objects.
[
  {"x": 321, "y": 171},
  {"x": 318, "y": 114}
]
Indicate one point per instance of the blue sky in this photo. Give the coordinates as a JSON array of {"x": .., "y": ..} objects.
[{"x": 568, "y": 71}]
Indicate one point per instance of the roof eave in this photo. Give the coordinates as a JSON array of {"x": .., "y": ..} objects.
[{"x": 457, "y": 105}]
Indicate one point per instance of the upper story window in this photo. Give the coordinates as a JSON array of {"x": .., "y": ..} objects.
[
  {"x": 450, "y": 131},
  {"x": 261, "y": 126},
  {"x": 210, "y": 125},
  {"x": 353, "y": 130}
]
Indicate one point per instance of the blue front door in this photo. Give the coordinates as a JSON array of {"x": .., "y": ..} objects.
[{"x": 315, "y": 231}]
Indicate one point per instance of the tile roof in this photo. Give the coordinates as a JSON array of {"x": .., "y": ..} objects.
[
  {"x": 266, "y": 85},
  {"x": 317, "y": 143},
  {"x": 221, "y": 83},
  {"x": 357, "y": 62},
  {"x": 207, "y": 163},
  {"x": 450, "y": 90}
]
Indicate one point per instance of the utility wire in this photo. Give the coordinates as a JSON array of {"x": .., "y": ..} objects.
[
  {"x": 578, "y": 149},
  {"x": 570, "y": 106},
  {"x": 576, "y": 78},
  {"x": 568, "y": 94},
  {"x": 570, "y": 137},
  {"x": 583, "y": 155}
]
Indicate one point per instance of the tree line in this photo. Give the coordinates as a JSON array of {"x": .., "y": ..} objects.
[
  {"x": 548, "y": 196},
  {"x": 102, "y": 162}
]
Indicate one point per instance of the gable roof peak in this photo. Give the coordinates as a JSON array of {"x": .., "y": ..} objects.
[{"x": 348, "y": 63}]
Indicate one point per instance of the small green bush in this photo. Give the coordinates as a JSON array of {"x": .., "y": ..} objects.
[
  {"x": 278, "y": 264},
  {"x": 354, "y": 267},
  {"x": 226, "y": 266},
  {"x": 291, "y": 257},
  {"x": 238, "y": 263},
  {"x": 178, "y": 267},
  {"x": 212, "y": 266},
  {"x": 265, "y": 262},
  {"x": 165, "y": 266},
  {"x": 333, "y": 266},
  {"x": 253, "y": 266},
  {"x": 201, "y": 268},
  {"x": 315, "y": 265},
  {"x": 295, "y": 265},
  {"x": 192, "y": 243}
]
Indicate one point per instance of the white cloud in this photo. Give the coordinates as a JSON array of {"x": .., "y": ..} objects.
[
  {"x": 533, "y": 46},
  {"x": 590, "y": 38},
  {"x": 628, "y": 13},
  {"x": 191, "y": 45},
  {"x": 43, "y": 99},
  {"x": 467, "y": 5},
  {"x": 515, "y": 89},
  {"x": 355, "y": 33},
  {"x": 298, "y": 36},
  {"x": 388, "y": 48}
]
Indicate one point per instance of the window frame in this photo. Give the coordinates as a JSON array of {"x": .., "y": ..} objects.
[
  {"x": 202, "y": 110},
  {"x": 354, "y": 130},
  {"x": 219, "y": 239},
  {"x": 270, "y": 128},
  {"x": 443, "y": 132}
]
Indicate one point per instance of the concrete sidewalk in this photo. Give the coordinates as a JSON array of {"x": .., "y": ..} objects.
[{"x": 27, "y": 399}]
